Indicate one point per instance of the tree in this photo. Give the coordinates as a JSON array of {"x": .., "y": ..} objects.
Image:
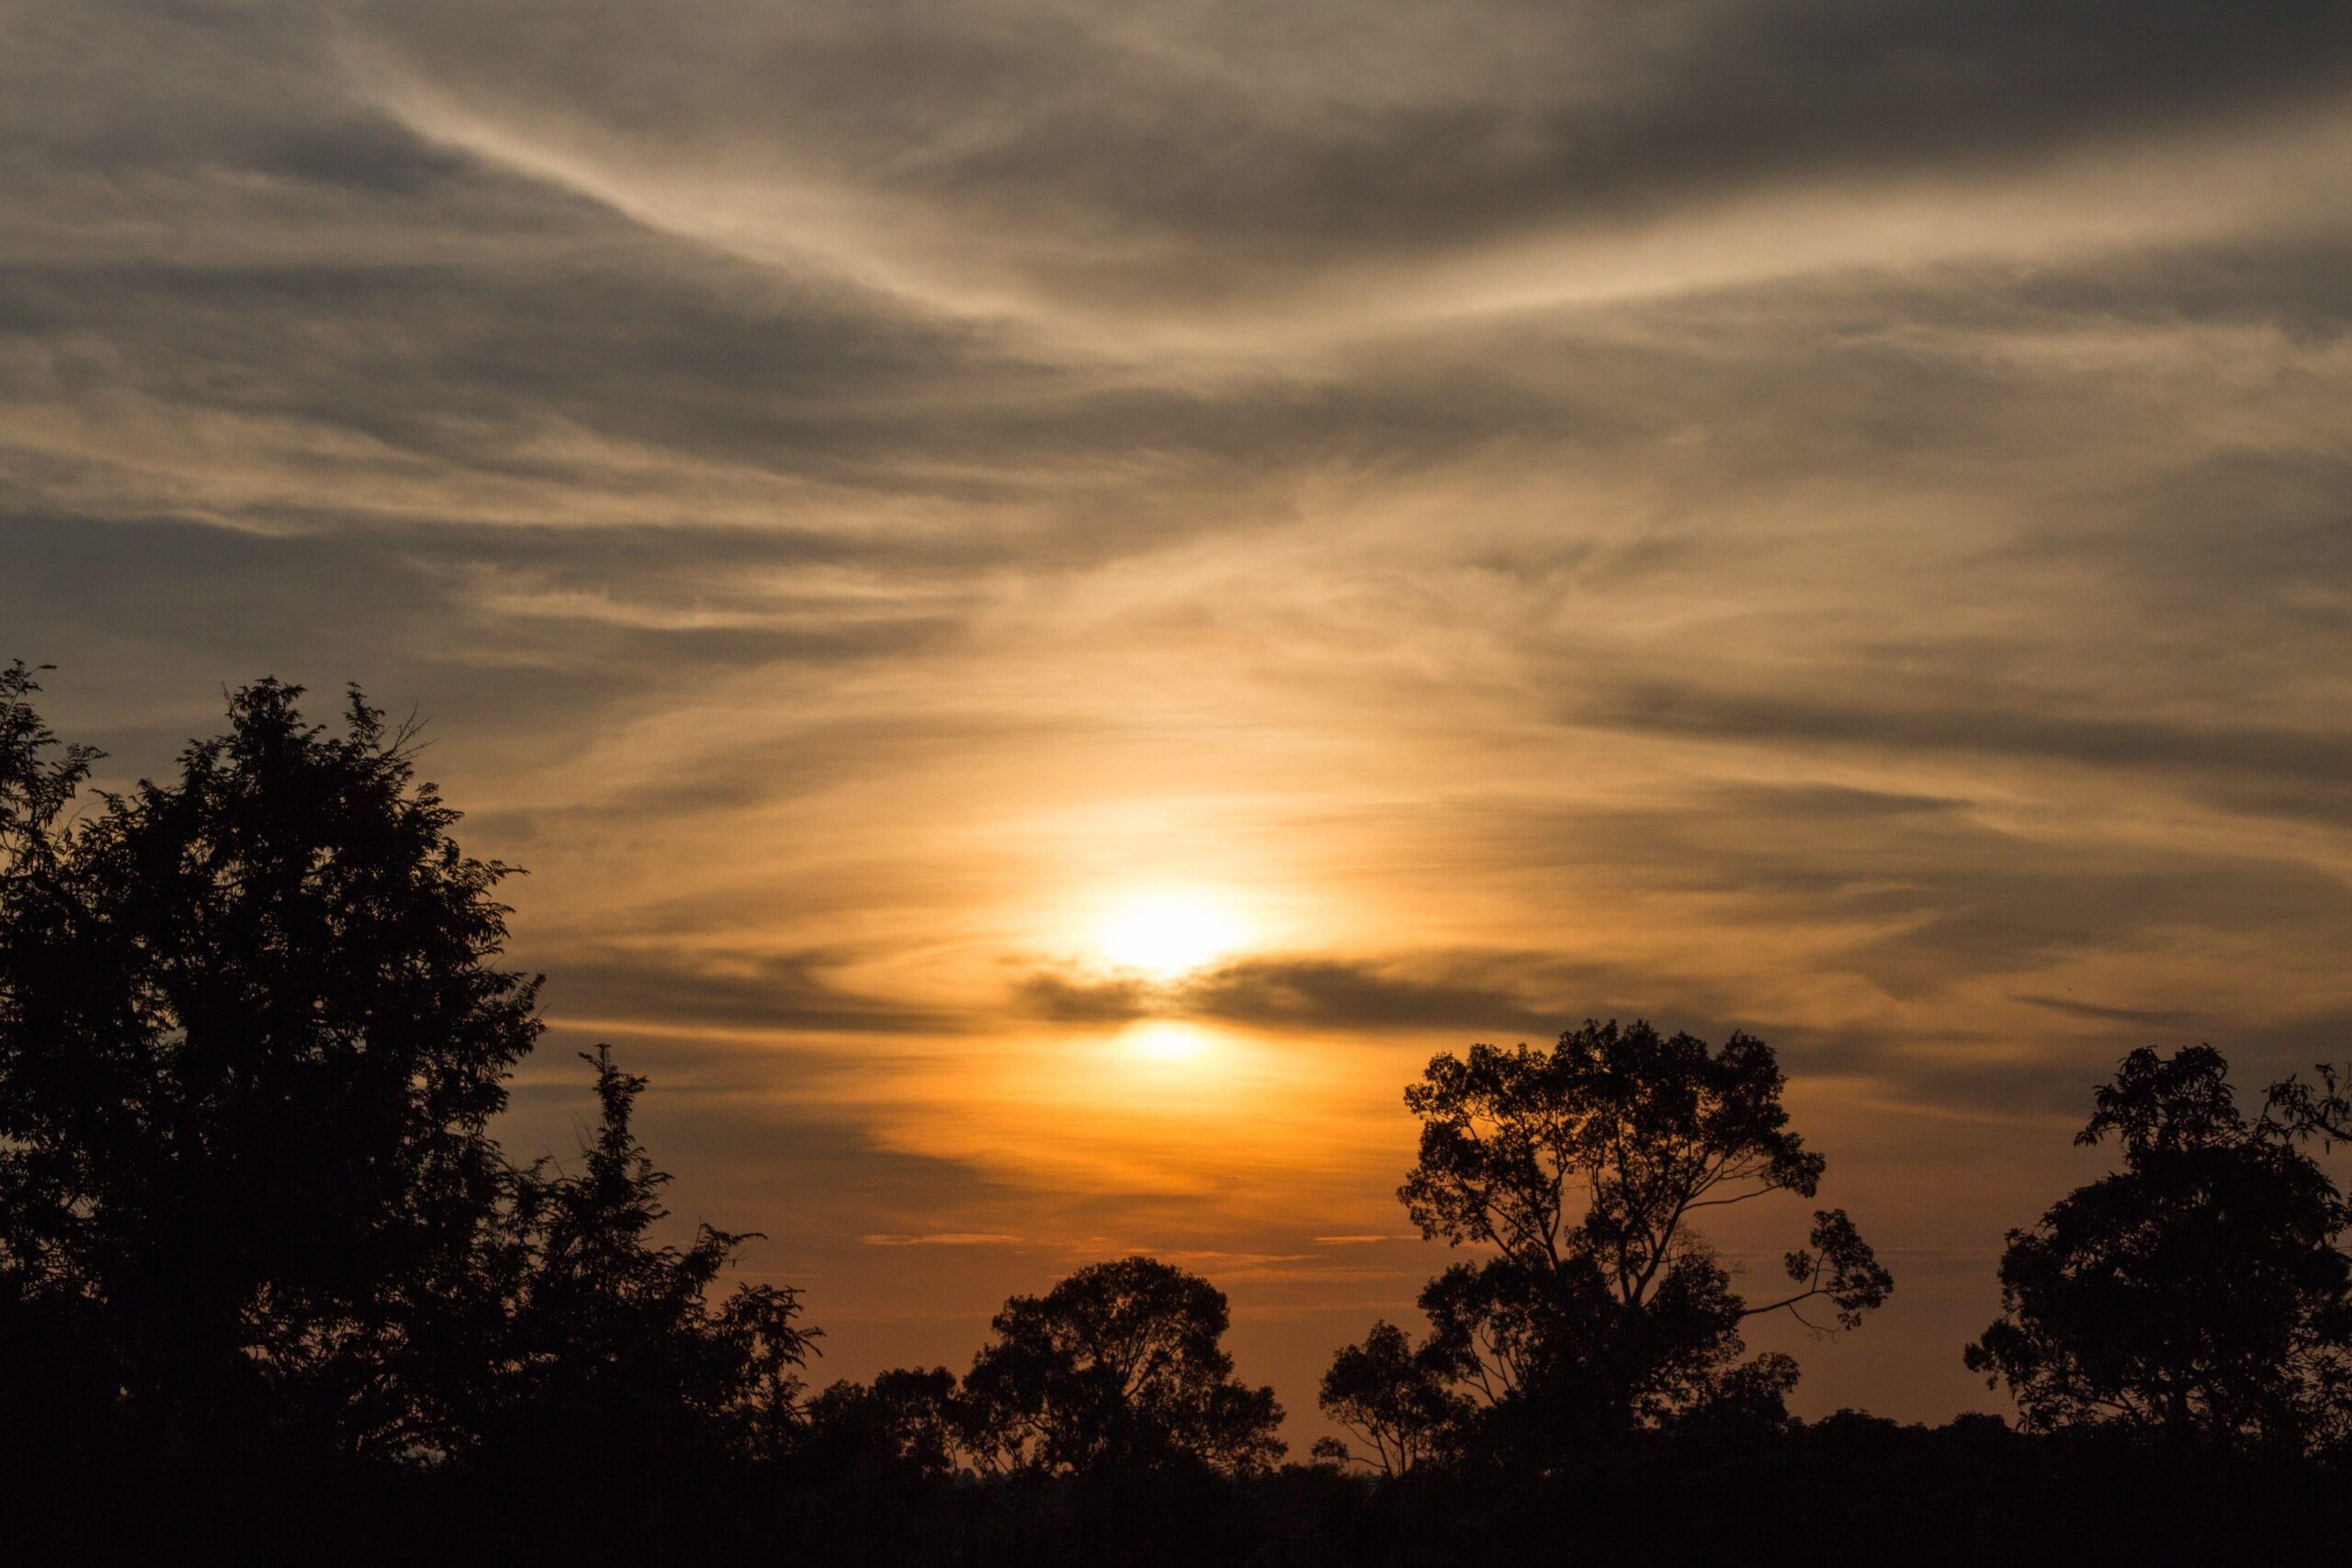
[
  {"x": 2201, "y": 1291},
  {"x": 40, "y": 775},
  {"x": 1121, "y": 1364},
  {"x": 611, "y": 1337},
  {"x": 907, "y": 1417},
  {"x": 50, "y": 1356},
  {"x": 1601, "y": 1310},
  {"x": 252, "y": 1035},
  {"x": 1396, "y": 1397}
]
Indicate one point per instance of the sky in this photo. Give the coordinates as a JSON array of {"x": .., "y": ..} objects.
[{"x": 1056, "y": 593}]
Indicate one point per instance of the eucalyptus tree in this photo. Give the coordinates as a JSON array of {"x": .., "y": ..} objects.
[
  {"x": 2201, "y": 1291},
  {"x": 1580, "y": 1172}
]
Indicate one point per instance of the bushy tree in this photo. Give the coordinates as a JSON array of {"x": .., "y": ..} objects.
[
  {"x": 908, "y": 1416},
  {"x": 1598, "y": 1309},
  {"x": 252, "y": 1034},
  {"x": 1121, "y": 1364},
  {"x": 2202, "y": 1290}
]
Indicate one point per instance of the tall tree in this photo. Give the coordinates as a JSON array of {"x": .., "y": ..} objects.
[
  {"x": 252, "y": 1035},
  {"x": 2202, "y": 1290},
  {"x": 50, "y": 1359},
  {"x": 1122, "y": 1363},
  {"x": 1582, "y": 1169}
]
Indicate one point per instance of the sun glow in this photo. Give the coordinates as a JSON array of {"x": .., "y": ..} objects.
[
  {"x": 1165, "y": 1041},
  {"x": 1167, "y": 935}
]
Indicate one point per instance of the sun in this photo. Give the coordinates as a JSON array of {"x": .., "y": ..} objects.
[{"x": 1167, "y": 934}]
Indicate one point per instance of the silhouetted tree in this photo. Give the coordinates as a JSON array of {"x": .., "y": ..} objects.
[
  {"x": 907, "y": 1417},
  {"x": 1396, "y": 1397},
  {"x": 1583, "y": 1169},
  {"x": 2200, "y": 1290},
  {"x": 40, "y": 775},
  {"x": 612, "y": 1341},
  {"x": 252, "y": 1034},
  {"x": 1121, "y": 1364},
  {"x": 2320, "y": 1110}
]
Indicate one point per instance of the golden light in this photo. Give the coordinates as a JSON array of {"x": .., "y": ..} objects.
[
  {"x": 1168, "y": 933},
  {"x": 1168, "y": 1043}
]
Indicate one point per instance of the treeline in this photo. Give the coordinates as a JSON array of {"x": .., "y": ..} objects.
[{"x": 269, "y": 1289}]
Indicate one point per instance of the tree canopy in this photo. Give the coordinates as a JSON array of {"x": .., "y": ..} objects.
[
  {"x": 1581, "y": 1169},
  {"x": 611, "y": 1334},
  {"x": 1397, "y": 1398},
  {"x": 253, "y": 1035},
  {"x": 1121, "y": 1363},
  {"x": 254, "y": 1030},
  {"x": 2201, "y": 1291}
]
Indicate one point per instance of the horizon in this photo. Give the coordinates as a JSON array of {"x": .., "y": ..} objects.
[{"x": 1054, "y": 600}]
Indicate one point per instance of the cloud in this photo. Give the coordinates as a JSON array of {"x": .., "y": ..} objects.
[
  {"x": 776, "y": 992},
  {"x": 1030, "y": 157},
  {"x": 1464, "y": 993},
  {"x": 2151, "y": 1018},
  {"x": 942, "y": 1239},
  {"x": 2252, "y": 767}
]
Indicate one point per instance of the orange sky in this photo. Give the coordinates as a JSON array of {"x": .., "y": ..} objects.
[{"x": 1817, "y": 518}]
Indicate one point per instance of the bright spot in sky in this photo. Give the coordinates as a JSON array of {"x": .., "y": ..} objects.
[
  {"x": 1166, "y": 933},
  {"x": 1166, "y": 1042}
]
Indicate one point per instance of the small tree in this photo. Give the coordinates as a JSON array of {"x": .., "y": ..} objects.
[
  {"x": 1396, "y": 1397},
  {"x": 1122, "y": 1363},
  {"x": 907, "y": 1417},
  {"x": 1583, "y": 1168},
  {"x": 612, "y": 1337},
  {"x": 2201, "y": 1291}
]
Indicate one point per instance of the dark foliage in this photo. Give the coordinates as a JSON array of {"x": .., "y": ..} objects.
[
  {"x": 256, "y": 1241},
  {"x": 1121, "y": 1365},
  {"x": 1397, "y": 1398},
  {"x": 2201, "y": 1291},
  {"x": 1599, "y": 1312},
  {"x": 252, "y": 1035}
]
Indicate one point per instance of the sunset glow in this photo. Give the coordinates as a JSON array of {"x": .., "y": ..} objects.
[
  {"x": 1175, "y": 1043},
  {"x": 1055, "y": 595},
  {"x": 1167, "y": 934}
]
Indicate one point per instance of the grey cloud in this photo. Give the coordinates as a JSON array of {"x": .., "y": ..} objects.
[
  {"x": 1333, "y": 995},
  {"x": 784, "y": 993},
  {"x": 1917, "y": 895},
  {"x": 112, "y": 600},
  {"x": 1289, "y": 137},
  {"x": 2149, "y": 1018},
  {"x": 2251, "y": 767},
  {"x": 1464, "y": 993}
]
